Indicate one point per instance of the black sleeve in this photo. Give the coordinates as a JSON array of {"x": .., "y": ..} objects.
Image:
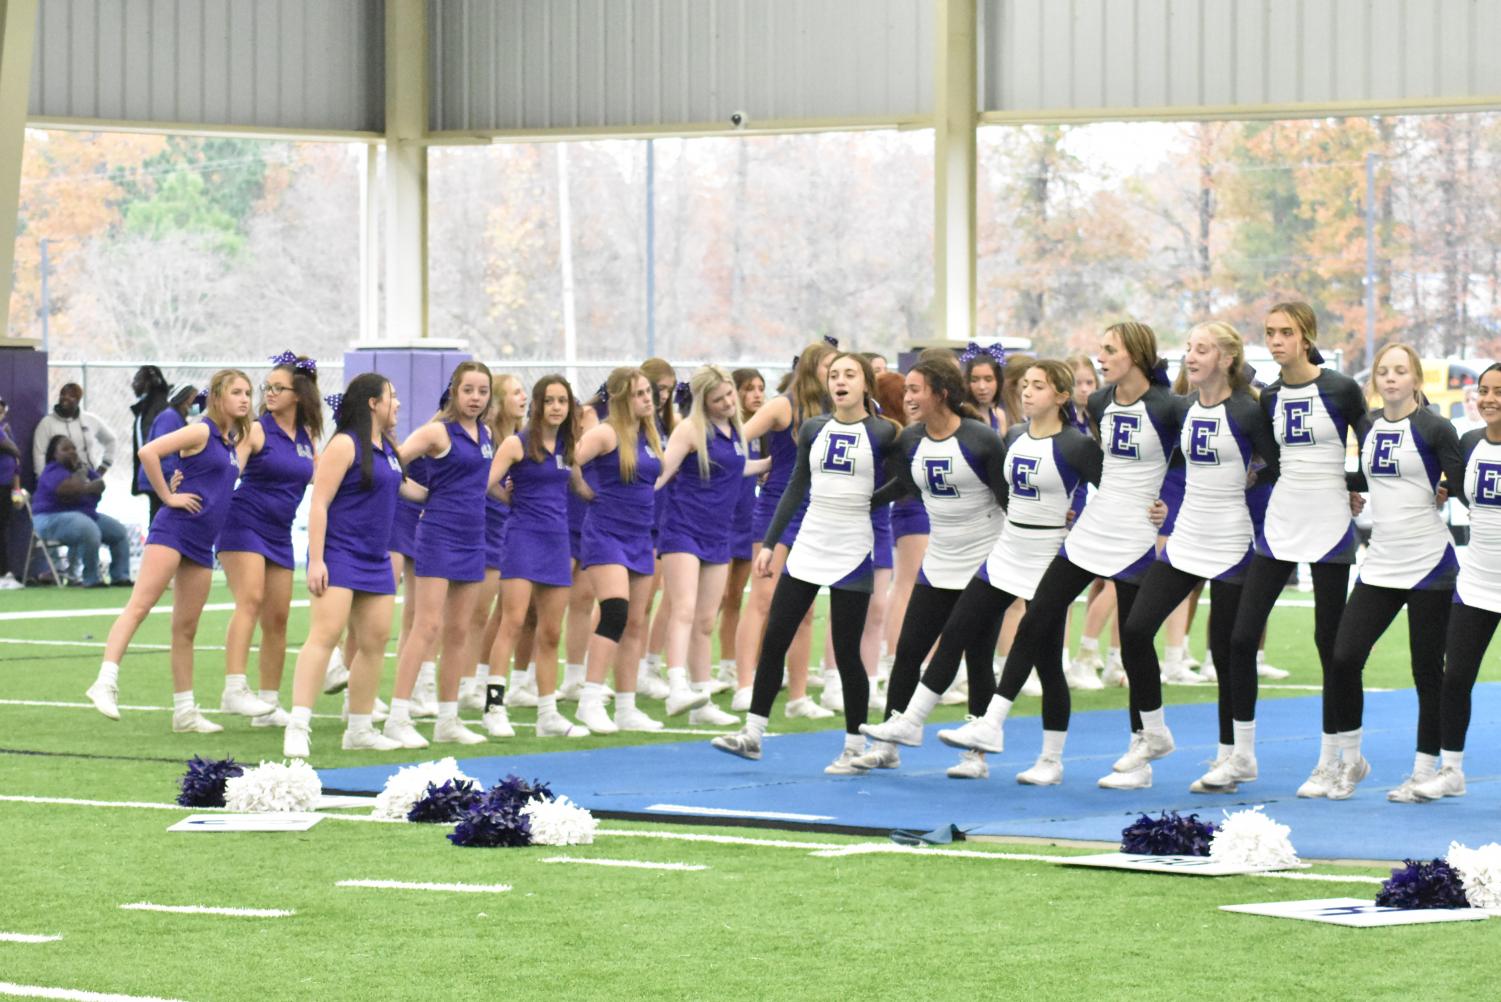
[
  {"x": 1095, "y": 408},
  {"x": 1256, "y": 426},
  {"x": 898, "y": 468},
  {"x": 1351, "y": 404},
  {"x": 1441, "y": 437},
  {"x": 1466, "y": 446},
  {"x": 1166, "y": 410},
  {"x": 798, "y": 484},
  {"x": 989, "y": 450},
  {"x": 1082, "y": 453}
]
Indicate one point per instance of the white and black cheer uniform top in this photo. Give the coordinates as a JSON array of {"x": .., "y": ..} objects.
[
  {"x": 1479, "y": 583},
  {"x": 836, "y": 473},
  {"x": 1403, "y": 462},
  {"x": 1213, "y": 535},
  {"x": 1308, "y": 516},
  {"x": 1114, "y": 537},
  {"x": 961, "y": 482},
  {"x": 1043, "y": 476}
]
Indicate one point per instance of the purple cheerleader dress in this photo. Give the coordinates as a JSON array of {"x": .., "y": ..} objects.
[
  {"x": 408, "y": 513},
  {"x": 908, "y": 518},
  {"x": 742, "y": 531},
  {"x": 537, "y": 533},
  {"x": 617, "y": 527},
  {"x": 359, "y": 522},
  {"x": 696, "y": 519},
  {"x": 271, "y": 487},
  {"x": 211, "y": 475},
  {"x": 456, "y": 494}
]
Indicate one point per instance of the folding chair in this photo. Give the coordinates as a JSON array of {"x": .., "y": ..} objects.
[{"x": 47, "y": 546}]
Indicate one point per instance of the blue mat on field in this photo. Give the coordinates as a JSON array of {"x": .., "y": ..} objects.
[{"x": 692, "y": 781}]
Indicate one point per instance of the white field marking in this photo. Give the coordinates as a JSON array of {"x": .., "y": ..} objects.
[
  {"x": 144, "y": 805},
  {"x": 629, "y": 864},
  {"x": 158, "y": 610},
  {"x": 725, "y": 812},
  {"x": 100, "y": 645},
  {"x": 770, "y": 843},
  {"x": 891, "y": 848},
  {"x": 1331, "y": 878},
  {"x": 26, "y": 937},
  {"x": 410, "y": 885},
  {"x": 147, "y": 906},
  {"x": 73, "y": 994}
]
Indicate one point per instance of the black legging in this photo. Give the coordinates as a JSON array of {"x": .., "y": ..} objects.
[
  {"x": 1369, "y": 612},
  {"x": 1161, "y": 591},
  {"x": 1264, "y": 582},
  {"x": 789, "y": 604},
  {"x": 931, "y": 614},
  {"x": 1470, "y": 632}
]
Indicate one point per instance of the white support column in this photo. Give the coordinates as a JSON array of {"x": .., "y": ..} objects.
[
  {"x": 369, "y": 244},
  {"x": 17, "y": 39},
  {"x": 406, "y": 170},
  {"x": 955, "y": 118}
]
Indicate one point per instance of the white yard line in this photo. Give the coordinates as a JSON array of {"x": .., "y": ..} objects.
[
  {"x": 26, "y": 937},
  {"x": 144, "y": 805},
  {"x": 72, "y": 994},
  {"x": 770, "y": 843},
  {"x": 629, "y": 864},
  {"x": 147, "y": 906},
  {"x": 725, "y": 812},
  {"x": 891, "y": 848},
  {"x": 409, "y": 885}
]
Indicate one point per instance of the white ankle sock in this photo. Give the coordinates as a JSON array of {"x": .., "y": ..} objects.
[
  {"x": 1089, "y": 645},
  {"x": 921, "y": 704},
  {"x": 755, "y": 725},
  {"x": 1349, "y": 743},
  {"x": 1052, "y": 743},
  {"x": 302, "y": 716},
  {"x": 109, "y": 673},
  {"x": 448, "y": 711},
  {"x": 482, "y": 673},
  {"x": 1328, "y": 749},
  {"x": 401, "y": 709},
  {"x": 269, "y": 696},
  {"x": 573, "y": 674},
  {"x": 1154, "y": 720},
  {"x": 1453, "y": 759},
  {"x": 1424, "y": 765},
  {"x": 624, "y": 702},
  {"x": 182, "y": 701},
  {"x": 360, "y": 722},
  {"x": 427, "y": 673},
  {"x": 1245, "y": 737},
  {"x": 997, "y": 710},
  {"x": 1223, "y": 751},
  {"x": 677, "y": 678},
  {"x": 236, "y": 682},
  {"x": 547, "y": 704},
  {"x": 854, "y": 743}
]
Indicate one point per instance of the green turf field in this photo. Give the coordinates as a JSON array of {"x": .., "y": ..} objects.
[{"x": 762, "y": 920}]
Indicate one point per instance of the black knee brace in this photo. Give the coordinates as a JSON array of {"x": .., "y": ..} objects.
[{"x": 612, "y": 614}]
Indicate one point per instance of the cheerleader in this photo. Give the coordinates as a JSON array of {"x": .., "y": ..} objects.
[
  {"x": 839, "y": 460},
  {"x": 1223, "y": 431},
  {"x": 180, "y": 546},
  {"x": 536, "y": 565},
  {"x": 954, "y": 463},
  {"x": 1307, "y": 515},
  {"x": 1404, "y": 452},
  {"x": 1083, "y": 672},
  {"x": 694, "y": 538},
  {"x": 255, "y": 545},
  {"x": 349, "y": 574},
  {"x": 179, "y": 401},
  {"x": 622, "y": 459},
  {"x": 750, "y": 390},
  {"x": 578, "y": 624},
  {"x": 1045, "y": 461},
  {"x": 664, "y": 380},
  {"x": 777, "y": 424},
  {"x": 1477, "y": 592},
  {"x": 983, "y": 369},
  {"x": 449, "y": 567},
  {"x": 1114, "y": 538}
]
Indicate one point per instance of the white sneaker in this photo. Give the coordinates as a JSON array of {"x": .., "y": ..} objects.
[
  {"x": 424, "y": 701},
  {"x": 958, "y": 693},
  {"x": 1319, "y": 782},
  {"x": 520, "y": 697},
  {"x": 296, "y": 742},
  {"x": 1207, "y": 671},
  {"x": 1033, "y": 685},
  {"x": 879, "y": 755},
  {"x": 1046, "y": 771},
  {"x": 897, "y": 729},
  {"x": 1090, "y": 661},
  {"x": 847, "y": 764},
  {"x": 971, "y": 765},
  {"x": 336, "y": 676},
  {"x": 1226, "y": 775},
  {"x": 832, "y": 697},
  {"x": 403, "y": 733},
  {"x": 1190, "y": 662},
  {"x": 497, "y": 723},
  {"x": 471, "y": 695},
  {"x": 105, "y": 698},
  {"x": 1349, "y": 776},
  {"x": 1146, "y": 746},
  {"x": 451, "y": 730},
  {"x": 1408, "y": 791},
  {"x": 977, "y": 734},
  {"x": 571, "y": 691},
  {"x": 366, "y": 739},
  {"x": 681, "y": 699},
  {"x": 718, "y": 685},
  {"x": 1264, "y": 670},
  {"x": 380, "y": 711},
  {"x": 741, "y": 701},
  {"x": 815, "y": 679},
  {"x": 276, "y": 718},
  {"x": 1136, "y": 779},
  {"x": 1178, "y": 673},
  {"x": 1114, "y": 674},
  {"x": 1447, "y": 782},
  {"x": 741, "y": 743},
  {"x": 192, "y": 721},
  {"x": 555, "y": 725},
  {"x": 592, "y": 715},
  {"x": 804, "y": 707},
  {"x": 651, "y": 685},
  {"x": 237, "y": 699},
  {"x": 9, "y": 583},
  {"x": 635, "y": 720},
  {"x": 1080, "y": 675},
  {"x": 713, "y": 716}
]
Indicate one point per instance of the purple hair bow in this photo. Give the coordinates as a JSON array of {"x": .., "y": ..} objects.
[
  {"x": 308, "y": 365},
  {"x": 1158, "y": 374},
  {"x": 683, "y": 395},
  {"x": 975, "y": 350},
  {"x": 201, "y": 400},
  {"x": 831, "y": 341},
  {"x": 334, "y": 400}
]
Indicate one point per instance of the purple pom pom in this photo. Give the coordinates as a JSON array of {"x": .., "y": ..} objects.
[
  {"x": 496, "y": 818},
  {"x": 203, "y": 783},
  {"x": 1168, "y": 835},
  {"x": 1434, "y": 884},
  {"x": 443, "y": 805}
]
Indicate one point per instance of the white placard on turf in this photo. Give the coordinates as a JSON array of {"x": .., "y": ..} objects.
[
  {"x": 277, "y": 822},
  {"x": 1356, "y": 912},
  {"x": 1194, "y": 866}
]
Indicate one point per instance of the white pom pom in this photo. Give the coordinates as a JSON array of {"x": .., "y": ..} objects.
[
  {"x": 1251, "y": 839},
  {"x": 560, "y": 822},
  {"x": 409, "y": 785},
  {"x": 1480, "y": 871},
  {"x": 274, "y": 786}
]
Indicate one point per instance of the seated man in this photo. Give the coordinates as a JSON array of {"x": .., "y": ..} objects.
[{"x": 65, "y": 510}]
